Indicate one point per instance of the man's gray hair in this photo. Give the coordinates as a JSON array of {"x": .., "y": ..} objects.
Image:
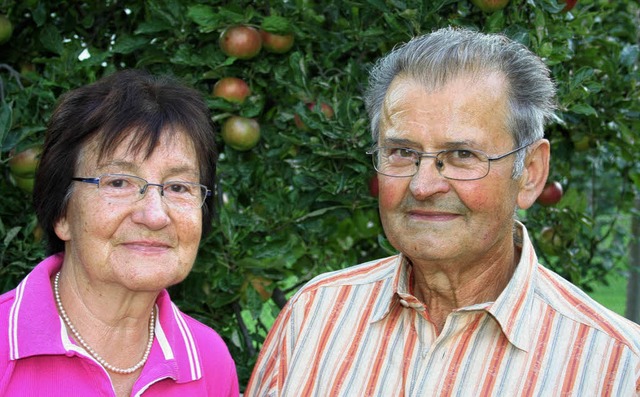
[{"x": 436, "y": 58}]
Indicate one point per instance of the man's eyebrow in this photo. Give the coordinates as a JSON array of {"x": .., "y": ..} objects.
[
  {"x": 399, "y": 142},
  {"x": 403, "y": 142},
  {"x": 459, "y": 144}
]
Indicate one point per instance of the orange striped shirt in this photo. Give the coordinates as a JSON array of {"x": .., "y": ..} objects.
[{"x": 360, "y": 332}]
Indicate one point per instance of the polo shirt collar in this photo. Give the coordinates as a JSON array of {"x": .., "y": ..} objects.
[
  {"x": 35, "y": 328},
  {"x": 34, "y": 323}
]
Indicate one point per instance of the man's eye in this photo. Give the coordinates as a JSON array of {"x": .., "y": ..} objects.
[
  {"x": 406, "y": 153},
  {"x": 464, "y": 154},
  {"x": 401, "y": 152}
]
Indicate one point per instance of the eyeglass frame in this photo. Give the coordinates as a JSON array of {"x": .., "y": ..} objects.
[
  {"x": 144, "y": 189},
  {"x": 435, "y": 155}
]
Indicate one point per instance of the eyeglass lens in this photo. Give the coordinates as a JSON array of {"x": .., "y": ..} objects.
[
  {"x": 452, "y": 164},
  {"x": 129, "y": 188}
]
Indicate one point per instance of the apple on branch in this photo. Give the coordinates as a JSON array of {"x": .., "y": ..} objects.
[
  {"x": 242, "y": 42},
  {"x": 324, "y": 108},
  {"x": 277, "y": 43},
  {"x": 241, "y": 133},
  {"x": 551, "y": 194},
  {"x": 232, "y": 89}
]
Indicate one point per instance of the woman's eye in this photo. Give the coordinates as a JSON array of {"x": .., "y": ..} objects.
[
  {"x": 177, "y": 188},
  {"x": 118, "y": 183}
]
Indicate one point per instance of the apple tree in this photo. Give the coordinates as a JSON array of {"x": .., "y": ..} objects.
[{"x": 296, "y": 192}]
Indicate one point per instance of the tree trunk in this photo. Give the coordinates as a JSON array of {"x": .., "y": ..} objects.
[{"x": 633, "y": 287}]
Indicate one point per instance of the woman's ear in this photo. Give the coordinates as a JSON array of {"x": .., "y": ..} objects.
[
  {"x": 61, "y": 227},
  {"x": 534, "y": 176}
]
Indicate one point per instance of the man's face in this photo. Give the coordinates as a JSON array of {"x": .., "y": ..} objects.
[{"x": 428, "y": 217}]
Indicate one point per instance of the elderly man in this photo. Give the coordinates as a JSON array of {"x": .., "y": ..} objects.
[{"x": 465, "y": 308}]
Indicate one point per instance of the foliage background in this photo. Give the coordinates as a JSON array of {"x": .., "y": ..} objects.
[{"x": 299, "y": 203}]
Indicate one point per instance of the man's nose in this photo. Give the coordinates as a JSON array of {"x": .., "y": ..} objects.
[{"x": 428, "y": 180}]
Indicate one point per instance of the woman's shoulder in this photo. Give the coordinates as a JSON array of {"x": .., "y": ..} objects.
[{"x": 203, "y": 332}]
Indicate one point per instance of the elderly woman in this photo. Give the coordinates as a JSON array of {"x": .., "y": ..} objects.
[{"x": 123, "y": 193}]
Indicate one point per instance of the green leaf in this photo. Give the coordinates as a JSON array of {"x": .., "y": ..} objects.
[
  {"x": 276, "y": 24},
  {"x": 51, "y": 39},
  {"x": 153, "y": 26},
  {"x": 5, "y": 120},
  {"x": 128, "y": 44},
  {"x": 629, "y": 55},
  {"x": 11, "y": 234},
  {"x": 205, "y": 17},
  {"x": 583, "y": 108}
]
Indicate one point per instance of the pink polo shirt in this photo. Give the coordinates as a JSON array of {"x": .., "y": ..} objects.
[{"x": 38, "y": 357}]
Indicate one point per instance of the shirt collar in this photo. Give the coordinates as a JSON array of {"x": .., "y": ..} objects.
[
  {"x": 35, "y": 327},
  {"x": 398, "y": 281},
  {"x": 34, "y": 323},
  {"x": 512, "y": 309}
]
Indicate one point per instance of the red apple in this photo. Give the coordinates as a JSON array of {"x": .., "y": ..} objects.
[
  {"x": 232, "y": 89},
  {"x": 241, "y": 133},
  {"x": 24, "y": 164},
  {"x": 243, "y": 42},
  {"x": 276, "y": 43},
  {"x": 373, "y": 186},
  {"x": 551, "y": 194},
  {"x": 490, "y": 5},
  {"x": 326, "y": 109},
  {"x": 569, "y": 4}
]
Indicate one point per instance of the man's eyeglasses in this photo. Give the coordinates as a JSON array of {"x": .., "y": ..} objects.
[
  {"x": 457, "y": 164},
  {"x": 128, "y": 189}
]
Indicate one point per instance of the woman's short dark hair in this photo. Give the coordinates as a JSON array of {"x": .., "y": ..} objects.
[{"x": 109, "y": 111}]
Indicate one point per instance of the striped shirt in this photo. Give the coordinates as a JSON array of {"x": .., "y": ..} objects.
[{"x": 360, "y": 332}]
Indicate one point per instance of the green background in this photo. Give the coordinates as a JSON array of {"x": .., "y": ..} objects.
[{"x": 298, "y": 203}]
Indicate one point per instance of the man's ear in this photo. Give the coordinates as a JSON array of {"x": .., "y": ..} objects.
[{"x": 534, "y": 176}]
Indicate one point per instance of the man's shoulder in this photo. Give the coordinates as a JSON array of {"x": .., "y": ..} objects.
[
  {"x": 574, "y": 304},
  {"x": 364, "y": 273},
  {"x": 364, "y": 276}
]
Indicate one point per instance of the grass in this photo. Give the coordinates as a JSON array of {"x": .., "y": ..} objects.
[{"x": 614, "y": 295}]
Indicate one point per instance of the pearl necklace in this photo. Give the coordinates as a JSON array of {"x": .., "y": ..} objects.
[{"x": 90, "y": 350}]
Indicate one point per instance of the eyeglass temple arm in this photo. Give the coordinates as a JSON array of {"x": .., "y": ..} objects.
[{"x": 87, "y": 180}]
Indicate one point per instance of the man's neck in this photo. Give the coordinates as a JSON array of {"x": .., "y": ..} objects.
[{"x": 444, "y": 288}]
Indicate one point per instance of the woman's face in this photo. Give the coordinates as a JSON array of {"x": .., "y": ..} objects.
[{"x": 146, "y": 245}]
